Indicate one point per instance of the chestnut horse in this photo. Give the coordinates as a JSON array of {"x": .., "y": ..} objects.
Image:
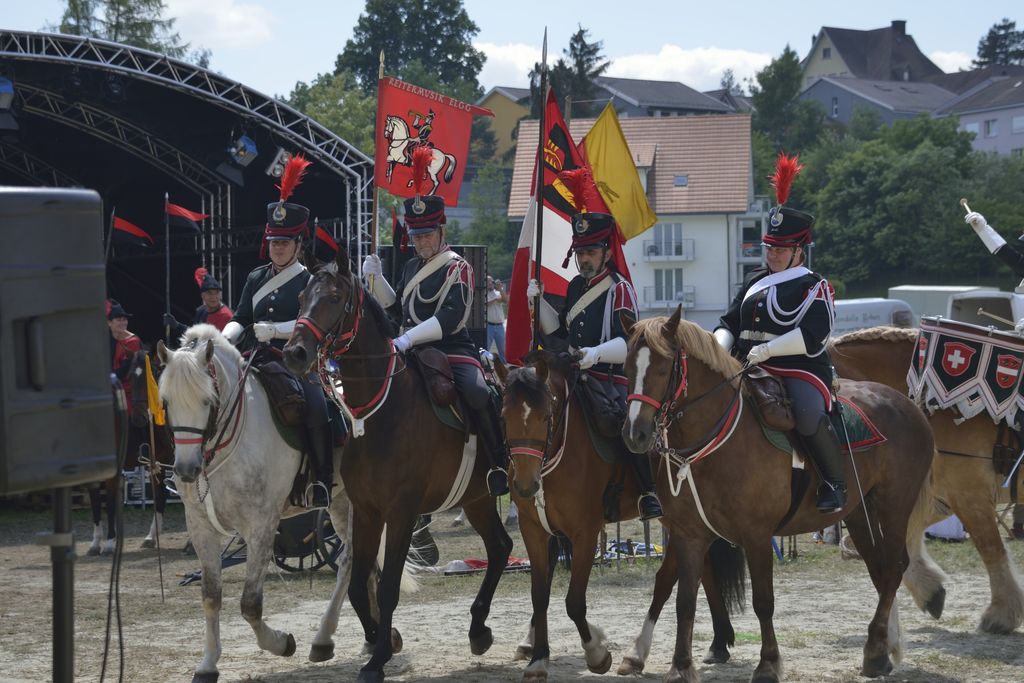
[
  {"x": 160, "y": 453},
  {"x": 400, "y": 461},
  {"x": 559, "y": 483},
  {"x": 724, "y": 480},
  {"x": 964, "y": 477}
]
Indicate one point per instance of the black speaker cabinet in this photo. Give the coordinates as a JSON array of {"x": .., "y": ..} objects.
[{"x": 56, "y": 406}]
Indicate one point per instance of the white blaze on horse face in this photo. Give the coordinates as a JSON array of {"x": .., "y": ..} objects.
[
  {"x": 526, "y": 417},
  {"x": 643, "y": 361}
]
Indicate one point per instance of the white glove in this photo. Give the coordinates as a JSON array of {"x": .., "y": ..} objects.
[
  {"x": 759, "y": 354},
  {"x": 989, "y": 237},
  {"x": 589, "y": 358},
  {"x": 975, "y": 220},
  {"x": 533, "y": 290},
  {"x": 1019, "y": 327},
  {"x": 402, "y": 343},
  {"x": 264, "y": 331},
  {"x": 371, "y": 265}
]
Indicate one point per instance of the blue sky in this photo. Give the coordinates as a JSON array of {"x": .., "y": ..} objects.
[{"x": 271, "y": 44}]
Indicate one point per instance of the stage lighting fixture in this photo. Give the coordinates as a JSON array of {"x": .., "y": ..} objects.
[
  {"x": 276, "y": 168},
  {"x": 7, "y": 120},
  {"x": 243, "y": 150},
  {"x": 113, "y": 87}
]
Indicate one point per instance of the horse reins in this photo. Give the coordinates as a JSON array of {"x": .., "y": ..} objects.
[
  {"x": 524, "y": 446},
  {"x": 235, "y": 411}
]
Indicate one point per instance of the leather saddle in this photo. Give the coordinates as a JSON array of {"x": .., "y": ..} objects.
[
  {"x": 769, "y": 394},
  {"x": 437, "y": 374}
]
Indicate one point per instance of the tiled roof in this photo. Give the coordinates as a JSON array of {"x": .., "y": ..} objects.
[
  {"x": 669, "y": 94},
  {"x": 514, "y": 94},
  {"x": 713, "y": 152},
  {"x": 736, "y": 103},
  {"x": 999, "y": 94},
  {"x": 962, "y": 81},
  {"x": 900, "y": 96},
  {"x": 882, "y": 53}
]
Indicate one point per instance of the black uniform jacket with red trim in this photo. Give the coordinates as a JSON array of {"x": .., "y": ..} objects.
[
  {"x": 586, "y": 329},
  {"x": 751, "y": 315}
]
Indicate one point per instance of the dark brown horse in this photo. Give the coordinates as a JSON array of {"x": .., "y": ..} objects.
[
  {"x": 400, "y": 461},
  {"x": 158, "y": 451},
  {"x": 722, "y": 479},
  {"x": 964, "y": 476},
  {"x": 559, "y": 483}
]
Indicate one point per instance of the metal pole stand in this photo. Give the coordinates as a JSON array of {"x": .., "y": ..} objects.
[{"x": 62, "y": 556}]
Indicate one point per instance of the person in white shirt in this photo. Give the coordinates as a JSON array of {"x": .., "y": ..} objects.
[{"x": 497, "y": 298}]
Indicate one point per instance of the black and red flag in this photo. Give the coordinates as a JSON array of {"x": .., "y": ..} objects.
[
  {"x": 182, "y": 218},
  {"x": 128, "y": 233}
]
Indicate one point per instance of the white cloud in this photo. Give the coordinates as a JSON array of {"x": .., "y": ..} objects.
[
  {"x": 508, "y": 64},
  {"x": 951, "y": 62},
  {"x": 700, "y": 68},
  {"x": 221, "y": 24}
]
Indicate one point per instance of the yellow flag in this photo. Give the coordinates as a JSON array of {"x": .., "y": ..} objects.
[
  {"x": 616, "y": 176},
  {"x": 156, "y": 406}
]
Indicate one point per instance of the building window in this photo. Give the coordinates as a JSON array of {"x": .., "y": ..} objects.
[
  {"x": 835, "y": 107},
  {"x": 991, "y": 127},
  {"x": 682, "y": 181},
  {"x": 668, "y": 284},
  {"x": 1017, "y": 125},
  {"x": 973, "y": 127},
  {"x": 750, "y": 240},
  {"x": 826, "y": 53}
]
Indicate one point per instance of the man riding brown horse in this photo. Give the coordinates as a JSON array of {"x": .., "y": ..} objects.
[{"x": 432, "y": 299}]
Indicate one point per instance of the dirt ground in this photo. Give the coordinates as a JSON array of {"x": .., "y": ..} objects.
[{"x": 823, "y": 605}]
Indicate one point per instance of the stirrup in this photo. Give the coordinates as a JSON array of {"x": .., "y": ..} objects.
[
  {"x": 649, "y": 506},
  {"x": 831, "y": 497},
  {"x": 497, "y": 481},
  {"x": 309, "y": 497}
]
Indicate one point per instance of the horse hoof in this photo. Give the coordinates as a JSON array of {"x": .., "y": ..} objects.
[
  {"x": 289, "y": 647},
  {"x": 936, "y": 603},
  {"x": 106, "y": 552},
  {"x": 533, "y": 676},
  {"x": 93, "y": 552},
  {"x": 370, "y": 676},
  {"x": 604, "y": 666},
  {"x": 481, "y": 643},
  {"x": 630, "y": 666},
  {"x": 876, "y": 666},
  {"x": 765, "y": 678},
  {"x": 209, "y": 677},
  {"x": 321, "y": 653},
  {"x": 717, "y": 656},
  {"x": 523, "y": 653},
  {"x": 148, "y": 543},
  {"x": 396, "y": 641}
]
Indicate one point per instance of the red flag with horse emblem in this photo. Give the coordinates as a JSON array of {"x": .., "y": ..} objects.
[{"x": 408, "y": 117}]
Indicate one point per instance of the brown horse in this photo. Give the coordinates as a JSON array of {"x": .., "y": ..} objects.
[
  {"x": 159, "y": 453},
  {"x": 964, "y": 477},
  {"x": 401, "y": 461},
  {"x": 559, "y": 483},
  {"x": 724, "y": 480}
]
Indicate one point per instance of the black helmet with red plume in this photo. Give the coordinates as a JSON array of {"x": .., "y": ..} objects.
[
  {"x": 787, "y": 227},
  {"x": 590, "y": 227},
  {"x": 285, "y": 220},
  {"x": 423, "y": 213}
]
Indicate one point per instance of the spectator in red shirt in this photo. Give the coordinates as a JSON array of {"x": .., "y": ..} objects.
[
  {"x": 213, "y": 310},
  {"x": 124, "y": 344}
]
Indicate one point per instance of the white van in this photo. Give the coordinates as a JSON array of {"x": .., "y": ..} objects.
[{"x": 858, "y": 314}]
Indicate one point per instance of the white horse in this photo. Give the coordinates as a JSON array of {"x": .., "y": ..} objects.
[
  {"x": 396, "y": 132},
  {"x": 235, "y": 472}
]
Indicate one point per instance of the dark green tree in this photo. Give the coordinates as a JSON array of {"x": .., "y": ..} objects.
[
  {"x": 729, "y": 84},
  {"x": 78, "y": 18},
  {"x": 572, "y": 76},
  {"x": 791, "y": 124},
  {"x": 489, "y": 200},
  {"x": 338, "y": 104},
  {"x": 438, "y": 35},
  {"x": 141, "y": 23},
  {"x": 1003, "y": 44}
]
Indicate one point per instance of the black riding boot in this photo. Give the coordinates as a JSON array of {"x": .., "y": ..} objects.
[
  {"x": 648, "y": 503},
  {"x": 492, "y": 438},
  {"x": 321, "y": 458},
  {"x": 825, "y": 448}
]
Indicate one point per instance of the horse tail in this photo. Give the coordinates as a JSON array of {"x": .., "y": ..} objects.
[
  {"x": 450, "y": 172},
  {"x": 728, "y": 564},
  {"x": 409, "y": 584},
  {"x": 560, "y": 546}
]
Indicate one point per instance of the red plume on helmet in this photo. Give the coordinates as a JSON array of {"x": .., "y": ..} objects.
[
  {"x": 786, "y": 171},
  {"x": 292, "y": 176},
  {"x": 200, "y": 275},
  {"x": 421, "y": 158},
  {"x": 580, "y": 184}
]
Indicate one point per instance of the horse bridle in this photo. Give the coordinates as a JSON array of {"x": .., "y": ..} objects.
[
  {"x": 207, "y": 434},
  {"x": 526, "y": 446},
  {"x": 676, "y": 390},
  {"x": 333, "y": 342}
]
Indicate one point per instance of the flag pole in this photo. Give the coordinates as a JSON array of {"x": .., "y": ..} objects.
[
  {"x": 167, "y": 266},
  {"x": 539, "y": 192},
  {"x": 110, "y": 237},
  {"x": 373, "y": 232}
]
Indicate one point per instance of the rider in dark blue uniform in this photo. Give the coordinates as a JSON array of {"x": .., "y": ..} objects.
[
  {"x": 270, "y": 304},
  {"x": 432, "y": 298},
  {"x": 782, "y": 319}
]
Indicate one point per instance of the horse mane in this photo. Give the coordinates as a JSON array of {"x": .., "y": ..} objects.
[
  {"x": 185, "y": 374},
  {"x": 524, "y": 385},
  {"x": 698, "y": 343},
  {"x": 385, "y": 325},
  {"x": 882, "y": 333}
]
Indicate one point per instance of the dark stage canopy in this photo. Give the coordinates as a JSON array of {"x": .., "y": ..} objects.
[{"x": 134, "y": 125}]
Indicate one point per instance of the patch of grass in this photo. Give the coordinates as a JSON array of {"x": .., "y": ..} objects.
[{"x": 748, "y": 637}]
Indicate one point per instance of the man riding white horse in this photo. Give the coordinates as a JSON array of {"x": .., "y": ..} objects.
[{"x": 433, "y": 299}]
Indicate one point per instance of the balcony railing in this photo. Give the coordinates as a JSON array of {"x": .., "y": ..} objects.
[
  {"x": 655, "y": 299},
  {"x": 668, "y": 250}
]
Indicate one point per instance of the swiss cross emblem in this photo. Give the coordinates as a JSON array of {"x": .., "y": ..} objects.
[
  {"x": 922, "y": 351},
  {"x": 1007, "y": 369},
  {"x": 956, "y": 358}
]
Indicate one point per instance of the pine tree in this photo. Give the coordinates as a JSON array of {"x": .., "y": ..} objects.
[
  {"x": 78, "y": 18},
  {"x": 572, "y": 76},
  {"x": 140, "y": 23},
  {"x": 1003, "y": 44}
]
